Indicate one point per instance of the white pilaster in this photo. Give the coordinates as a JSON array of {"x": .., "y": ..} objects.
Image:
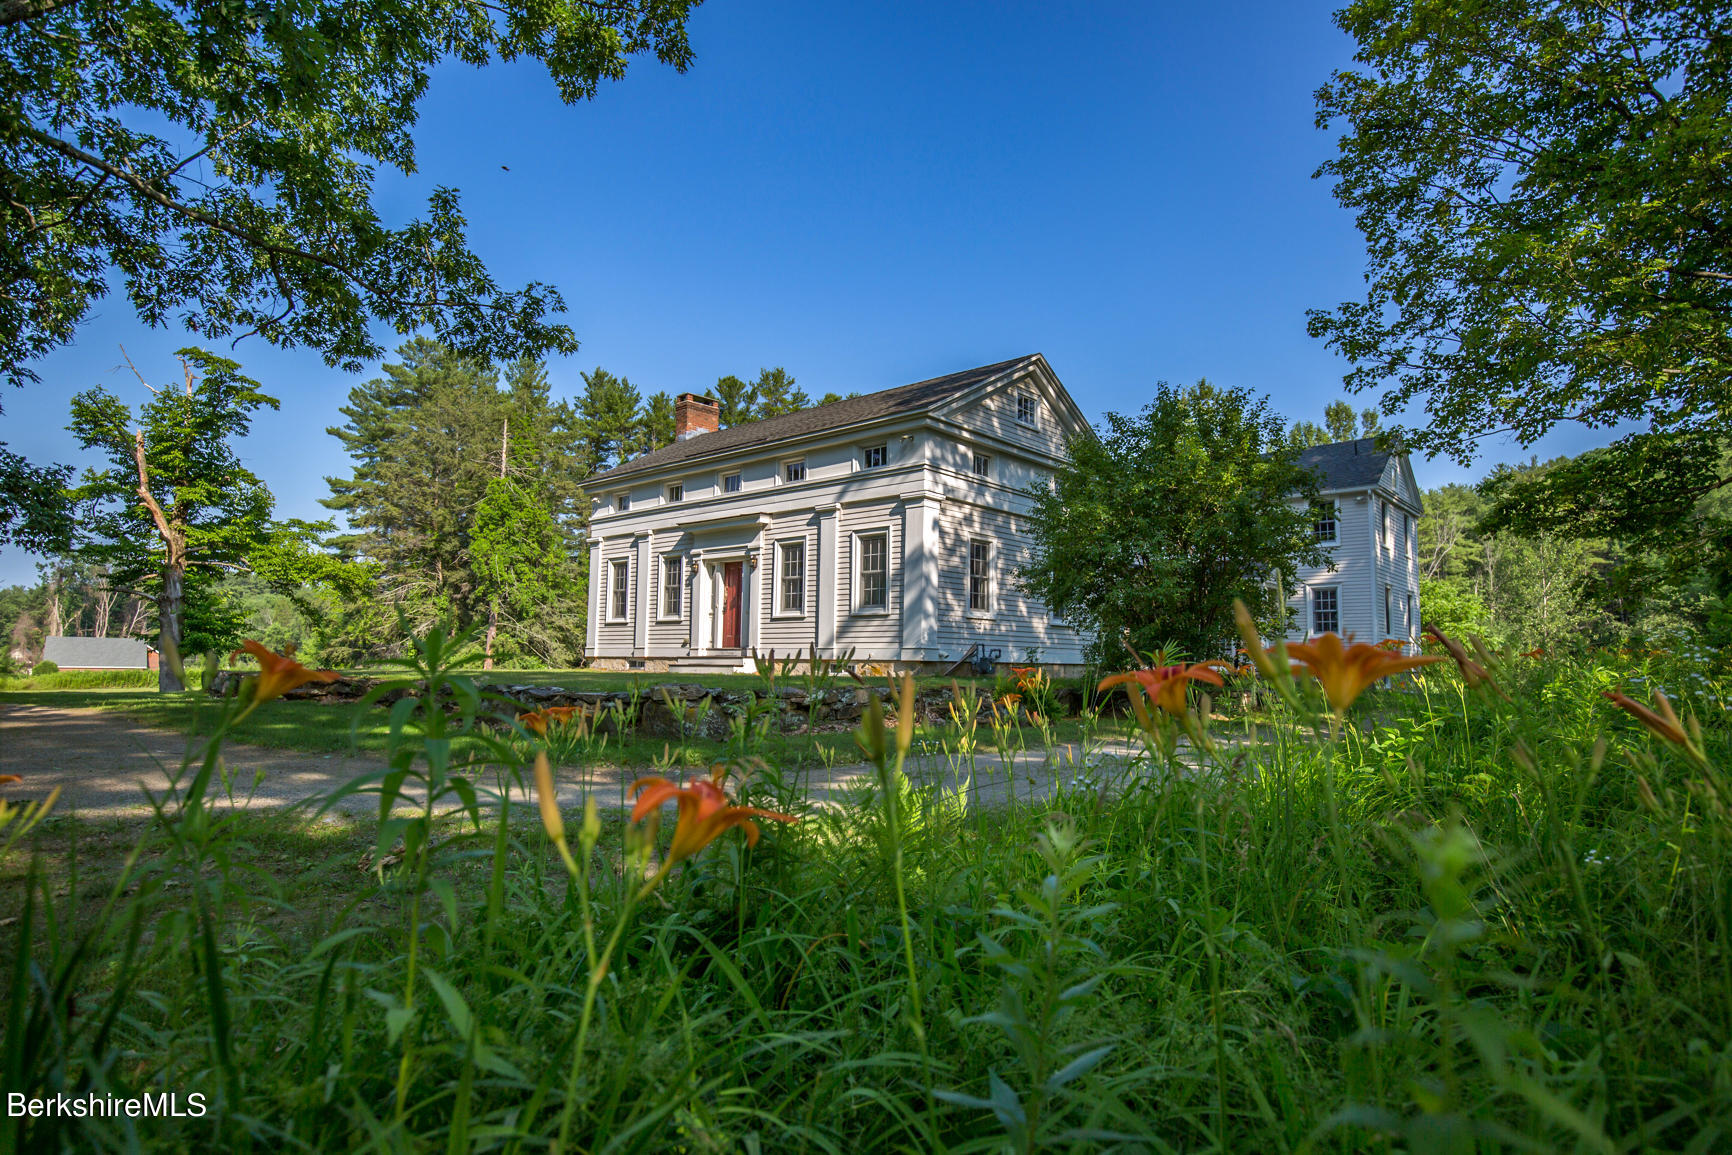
[
  {"x": 592, "y": 620},
  {"x": 919, "y": 575},
  {"x": 700, "y": 603},
  {"x": 645, "y": 588},
  {"x": 829, "y": 522}
]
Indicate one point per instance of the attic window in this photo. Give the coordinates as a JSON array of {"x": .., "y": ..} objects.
[
  {"x": 677, "y": 492},
  {"x": 875, "y": 456},
  {"x": 1027, "y": 409},
  {"x": 624, "y": 503}
]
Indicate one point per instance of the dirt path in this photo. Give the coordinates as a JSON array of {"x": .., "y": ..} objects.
[{"x": 103, "y": 762}]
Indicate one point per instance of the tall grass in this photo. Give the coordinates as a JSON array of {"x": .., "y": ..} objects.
[
  {"x": 1467, "y": 923},
  {"x": 83, "y": 680}
]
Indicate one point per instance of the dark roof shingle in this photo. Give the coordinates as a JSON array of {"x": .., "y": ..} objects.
[
  {"x": 1347, "y": 464},
  {"x": 913, "y": 398}
]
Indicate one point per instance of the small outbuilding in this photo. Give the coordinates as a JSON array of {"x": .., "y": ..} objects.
[{"x": 99, "y": 653}]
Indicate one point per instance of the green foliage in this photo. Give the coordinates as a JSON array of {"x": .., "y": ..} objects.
[
  {"x": 45, "y": 667},
  {"x": 42, "y": 678},
  {"x": 446, "y": 454},
  {"x": 33, "y": 511},
  {"x": 205, "y": 512},
  {"x": 1338, "y": 425},
  {"x": 1538, "y": 189},
  {"x": 1152, "y": 530},
  {"x": 287, "y": 112},
  {"x": 655, "y": 428},
  {"x": 1466, "y": 923},
  {"x": 609, "y": 419},
  {"x": 772, "y": 394},
  {"x": 1452, "y": 606}
]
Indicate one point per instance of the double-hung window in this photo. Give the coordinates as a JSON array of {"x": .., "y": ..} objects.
[
  {"x": 875, "y": 455},
  {"x": 1326, "y": 610},
  {"x": 1027, "y": 409},
  {"x": 1388, "y": 615},
  {"x": 619, "y": 590},
  {"x": 1325, "y": 526},
  {"x": 874, "y": 570},
  {"x": 791, "y": 588},
  {"x": 979, "y": 577},
  {"x": 671, "y": 591}
]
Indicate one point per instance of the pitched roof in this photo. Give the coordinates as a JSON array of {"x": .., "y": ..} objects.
[
  {"x": 915, "y": 398},
  {"x": 1347, "y": 464},
  {"x": 96, "y": 653}
]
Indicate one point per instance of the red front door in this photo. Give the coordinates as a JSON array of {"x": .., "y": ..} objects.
[{"x": 732, "y": 576}]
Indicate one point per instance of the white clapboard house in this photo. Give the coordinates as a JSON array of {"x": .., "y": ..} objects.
[
  {"x": 1365, "y": 519},
  {"x": 890, "y": 525}
]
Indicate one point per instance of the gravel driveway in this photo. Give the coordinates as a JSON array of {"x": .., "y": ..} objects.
[{"x": 103, "y": 762}]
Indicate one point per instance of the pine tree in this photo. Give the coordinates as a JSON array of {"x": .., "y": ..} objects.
[
  {"x": 777, "y": 395},
  {"x": 737, "y": 400},
  {"x": 608, "y": 416},
  {"x": 445, "y": 460}
]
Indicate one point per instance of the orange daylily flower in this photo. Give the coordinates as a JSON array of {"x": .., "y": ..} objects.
[
  {"x": 704, "y": 814},
  {"x": 10, "y": 779},
  {"x": 1165, "y": 684},
  {"x": 1662, "y": 722},
  {"x": 280, "y": 673},
  {"x": 539, "y": 720},
  {"x": 1345, "y": 671}
]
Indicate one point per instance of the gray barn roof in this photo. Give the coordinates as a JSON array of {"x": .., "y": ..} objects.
[
  {"x": 915, "y": 398},
  {"x": 1347, "y": 464},
  {"x": 96, "y": 653}
]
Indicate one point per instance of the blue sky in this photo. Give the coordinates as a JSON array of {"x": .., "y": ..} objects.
[{"x": 870, "y": 194}]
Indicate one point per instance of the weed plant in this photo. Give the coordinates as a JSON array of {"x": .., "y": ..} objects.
[{"x": 1446, "y": 919}]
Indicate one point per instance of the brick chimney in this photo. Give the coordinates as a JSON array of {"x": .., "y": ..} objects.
[{"x": 695, "y": 414}]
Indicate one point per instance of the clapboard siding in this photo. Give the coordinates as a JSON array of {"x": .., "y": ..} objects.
[
  {"x": 995, "y": 413},
  {"x": 670, "y": 637},
  {"x": 1017, "y": 623},
  {"x": 779, "y": 632},
  {"x": 616, "y": 637},
  {"x": 1366, "y": 561},
  {"x": 871, "y": 634}
]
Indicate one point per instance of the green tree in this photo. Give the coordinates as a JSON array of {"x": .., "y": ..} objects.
[
  {"x": 655, "y": 428},
  {"x": 175, "y": 508},
  {"x": 1150, "y": 531},
  {"x": 1541, "y": 188},
  {"x": 777, "y": 394},
  {"x": 736, "y": 401},
  {"x": 1338, "y": 425},
  {"x": 610, "y": 417},
  {"x": 430, "y": 439},
  {"x": 220, "y": 159},
  {"x": 33, "y": 512}
]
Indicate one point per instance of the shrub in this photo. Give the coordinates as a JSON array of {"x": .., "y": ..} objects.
[{"x": 46, "y": 667}]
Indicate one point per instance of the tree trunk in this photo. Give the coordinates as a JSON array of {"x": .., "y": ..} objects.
[
  {"x": 170, "y": 607},
  {"x": 492, "y": 632}
]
